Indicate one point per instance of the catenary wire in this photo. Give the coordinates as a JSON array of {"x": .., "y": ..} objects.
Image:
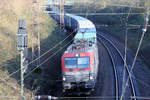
[
  {"x": 92, "y": 97},
  {"x": 42, "y": 54},
  {"x": 47, "y": 59},
  {"x": 125, "y": 55},
  {"x": 133, "y": 64},
  {"x": 121, "y": 5},
  {"x": 106, "y": 13}
]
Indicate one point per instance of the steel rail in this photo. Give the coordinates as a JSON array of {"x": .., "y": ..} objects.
[
  {"x": 131, "y": 81},
  {"x": 115, "y": 72},
  {"x": 126, "y": 66}
]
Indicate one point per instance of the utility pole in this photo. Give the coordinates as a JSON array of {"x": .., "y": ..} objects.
[
  {"x": 22, "y": 77},
  {"x": 39, "y": 36},
  {"x": 144, "y": 29},
  {"x": 35, "y": 32},
  {"x": 22, "y": 44},
  {"x": 60, "y": 9},
  {"x": 61, "y": 13}
]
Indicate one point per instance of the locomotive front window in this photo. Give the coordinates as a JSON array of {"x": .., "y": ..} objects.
[
  {"x": 83, "y": 62},
  {"x": 88, "y": 30},
  {"x": 80, "y": 63},
  {"x": 71, "y": 63}
]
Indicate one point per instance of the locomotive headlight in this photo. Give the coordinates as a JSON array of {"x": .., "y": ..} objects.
[
  {"x": 91, "y": 77},
  {"x": 64, "y": 79},
  {"x": 76, "y": 55}
]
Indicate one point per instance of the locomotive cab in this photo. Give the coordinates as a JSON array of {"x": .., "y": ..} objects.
[{"x": 79, "y": 68}]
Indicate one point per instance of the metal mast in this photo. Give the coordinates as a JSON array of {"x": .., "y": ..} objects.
[
  {"x": 35, "y": 32},
  {"x": 62, "y": 13},
  {"x": 22, "y": 45},
  {"x": 38, "y": 29}
]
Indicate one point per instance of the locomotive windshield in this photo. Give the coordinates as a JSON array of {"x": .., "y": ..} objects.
[
  {"x": 81, "y": 63},
  {"x": 70, "y": 63},
  {"x": 89, "y": 30}
]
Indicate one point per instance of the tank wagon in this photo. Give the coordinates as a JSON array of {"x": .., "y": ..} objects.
[{"x": 80, "y": 60}]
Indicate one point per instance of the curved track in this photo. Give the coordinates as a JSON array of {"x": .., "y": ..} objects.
[
  {"x": 115, "y": 72},
  {"x": 118, "y": 66}
]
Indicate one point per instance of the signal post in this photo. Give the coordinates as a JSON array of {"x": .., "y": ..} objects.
[{"x": 22, "y": 44}]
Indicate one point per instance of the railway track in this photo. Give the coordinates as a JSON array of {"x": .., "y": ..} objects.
[
  {"x": 115, "y": 73},
  {"x": 118, "y": 66},
  {"x": 74, "y": 98}
]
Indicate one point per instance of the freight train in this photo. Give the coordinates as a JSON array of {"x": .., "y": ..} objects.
[{"x": 80, "y": 60}]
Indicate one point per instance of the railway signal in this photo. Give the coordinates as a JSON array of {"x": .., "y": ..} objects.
[
  {"x": 22, "y": 36},
  {"x": 22, "y": 44}
]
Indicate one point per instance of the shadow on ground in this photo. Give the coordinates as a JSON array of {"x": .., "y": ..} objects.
[{"x": 46, "y": 79}]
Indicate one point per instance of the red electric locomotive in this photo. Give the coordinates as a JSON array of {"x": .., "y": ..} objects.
[{"x": 79, "y": 67}]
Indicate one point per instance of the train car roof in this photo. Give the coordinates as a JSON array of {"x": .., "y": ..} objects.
[
  {"x": 76, "y": 17},
  {"x": 83, "y": 22}
]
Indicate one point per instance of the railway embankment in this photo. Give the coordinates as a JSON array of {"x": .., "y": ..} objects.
[{"x": 37, "y": 81}]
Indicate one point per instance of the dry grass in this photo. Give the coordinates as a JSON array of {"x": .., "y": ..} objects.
[{"x": 10, "y": 12}]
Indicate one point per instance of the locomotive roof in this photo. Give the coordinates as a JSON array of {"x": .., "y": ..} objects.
[{"x": 80, "y": 46}]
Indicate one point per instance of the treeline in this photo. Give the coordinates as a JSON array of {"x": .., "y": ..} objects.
[{"x": 136, "y": 3}]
